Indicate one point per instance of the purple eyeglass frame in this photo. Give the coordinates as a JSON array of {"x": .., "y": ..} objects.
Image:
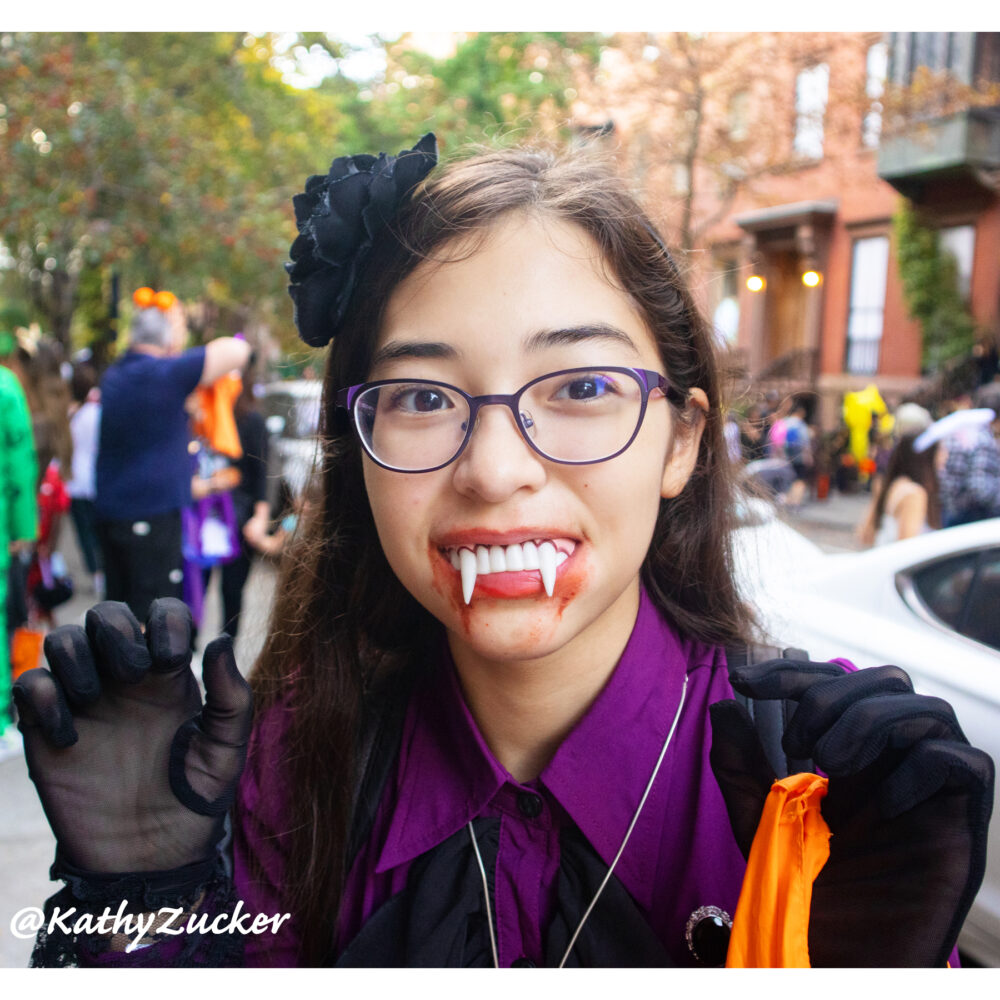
[{"x": 648, "y": 381}]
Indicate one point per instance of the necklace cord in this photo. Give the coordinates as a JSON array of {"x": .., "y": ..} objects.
[
  {"x": 621, "y": 850},
  {"x": 486, "y": 896}
]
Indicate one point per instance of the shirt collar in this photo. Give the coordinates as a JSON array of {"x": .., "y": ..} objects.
[{"x": 447, "y": 774}]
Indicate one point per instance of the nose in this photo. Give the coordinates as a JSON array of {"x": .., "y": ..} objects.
[{"x": 497, "y": 461}]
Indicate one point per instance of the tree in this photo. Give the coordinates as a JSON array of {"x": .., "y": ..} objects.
[
  {"x": 171, "y": 158},
  {"x": 494, "y": 87},
  {"x": 930, "y": 287}
]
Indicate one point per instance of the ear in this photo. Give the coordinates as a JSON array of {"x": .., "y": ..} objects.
[{"x": 684, "y": 448}]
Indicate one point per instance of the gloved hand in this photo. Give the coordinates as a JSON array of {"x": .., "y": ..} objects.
[
  {"x": 134, "y": 773},
  {"x": 908, "y": 806}
]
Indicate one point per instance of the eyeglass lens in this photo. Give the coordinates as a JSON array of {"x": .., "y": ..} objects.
[{"x": 581, "y": 416}]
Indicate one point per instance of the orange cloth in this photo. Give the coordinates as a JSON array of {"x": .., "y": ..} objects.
[
  {"x": 792, "y": 843},
  {"x": 215, "y": 421}
]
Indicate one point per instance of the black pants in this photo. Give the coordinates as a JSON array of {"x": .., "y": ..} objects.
[
  {"x": 85, "y": 522},
  {"x": 142, "y": 560}
]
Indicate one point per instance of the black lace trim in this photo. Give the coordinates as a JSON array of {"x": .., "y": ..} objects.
[{"x": 213, "y": 897}]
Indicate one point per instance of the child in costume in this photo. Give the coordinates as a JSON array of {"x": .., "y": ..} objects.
[{"x": 494, "y": 721}]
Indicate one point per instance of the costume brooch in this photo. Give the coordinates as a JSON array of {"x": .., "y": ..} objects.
[{"x": 339, "y": 216}]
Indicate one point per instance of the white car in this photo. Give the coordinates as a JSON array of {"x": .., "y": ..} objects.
[
  {"x": 291, "y": 410},
  {"x": 930, "y": 605}
]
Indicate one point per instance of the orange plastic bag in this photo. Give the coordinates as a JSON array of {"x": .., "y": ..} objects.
[
  {"x": 792, "y": 843},
  {"x": 25, "y": 650}
]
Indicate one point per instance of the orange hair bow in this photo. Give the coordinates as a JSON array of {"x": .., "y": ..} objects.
[{"x": 145, "y": 298}]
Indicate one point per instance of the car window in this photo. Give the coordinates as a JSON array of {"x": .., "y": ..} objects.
[
  {"x": 943, "y": 586},
  {"x": 964, "y": 592},
  {"x": 982, "y": 621}
]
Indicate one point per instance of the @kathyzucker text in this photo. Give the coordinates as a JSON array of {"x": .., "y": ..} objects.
[{"x": 168, "y": 920}]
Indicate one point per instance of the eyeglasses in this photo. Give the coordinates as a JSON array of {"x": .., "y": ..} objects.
[{"x": 577, "y": 416}]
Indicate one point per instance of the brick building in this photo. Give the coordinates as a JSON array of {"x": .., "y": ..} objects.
[{"x": 824, "y": 203}]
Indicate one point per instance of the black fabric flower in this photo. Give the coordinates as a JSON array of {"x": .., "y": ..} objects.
[{"x": 338, "y": 217}]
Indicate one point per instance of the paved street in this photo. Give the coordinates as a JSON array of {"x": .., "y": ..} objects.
[{"x": 26, "y": 844}]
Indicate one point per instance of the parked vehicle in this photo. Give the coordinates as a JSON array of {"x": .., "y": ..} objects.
[
  {"x": 930, "y": 605},
  {"x": 291, "y": 414}
]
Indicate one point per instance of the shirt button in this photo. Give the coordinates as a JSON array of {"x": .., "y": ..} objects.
[
  {"x": 522, "y": 963},
  {"x": 529, "y": 805}
]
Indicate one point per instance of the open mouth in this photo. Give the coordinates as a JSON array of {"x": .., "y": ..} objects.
[{"x": 543, "y": 556}]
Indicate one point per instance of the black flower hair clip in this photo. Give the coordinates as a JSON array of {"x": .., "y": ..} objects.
[{"x": 338, "y": 217}]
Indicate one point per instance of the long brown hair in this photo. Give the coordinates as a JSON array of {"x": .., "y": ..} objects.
[
  {"x": 918, "y": 466},
  {"x": 341, "y": 615}
]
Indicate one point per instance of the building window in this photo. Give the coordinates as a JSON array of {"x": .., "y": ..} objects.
[
  {"x": 877, "y": 66},
  {"x": 739, "y": 116},
  {"x": 954, "y": 51},
  {"x": 811, "y": 86},
  {"x": 960, "y": 242},
  {"x": 869, "y": 266}
]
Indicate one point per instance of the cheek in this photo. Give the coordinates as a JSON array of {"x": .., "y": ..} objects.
[{"x": 399, "y": 507}]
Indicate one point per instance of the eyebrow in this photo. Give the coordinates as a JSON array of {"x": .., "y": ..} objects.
[
  {"x": 406, "y": 349},
  {"x": 578, "y": 334}
]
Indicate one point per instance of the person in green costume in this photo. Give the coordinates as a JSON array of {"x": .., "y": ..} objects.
[{"x": 18, "y": 507}]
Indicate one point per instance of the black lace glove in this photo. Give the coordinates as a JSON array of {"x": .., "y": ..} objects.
[
  {"x": 908, "y": 806},
  {"x": 135, "y": 775}
]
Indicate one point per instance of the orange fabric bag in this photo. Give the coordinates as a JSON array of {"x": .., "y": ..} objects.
[{"x": 792, "y": 843}]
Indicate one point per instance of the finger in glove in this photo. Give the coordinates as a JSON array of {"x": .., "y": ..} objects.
[
  {"x": 169, "y": 630},
  {"x": 72, "y": 663},
  {"x": 774, "y": 679},
  {"x": 119, "y": 648},
  {"x": 208, "y": 753},
  {"x": 822, "y": 704},
  {"x": 41, "y": 703},
  {"x": 940, "y": 765},
  {"x": 875, "y": 725}
]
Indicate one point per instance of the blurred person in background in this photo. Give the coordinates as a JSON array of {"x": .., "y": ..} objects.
[
  {"x": 906, "y": 504},
  {"x": 250, "y": 503},
  {"x": 969, "y": 472},
  {"x": 18, "y": 513},
  {"x": 143, "y": 466},
  {"x": 909, "y": 420},
  {"x": 84, "y": 424},
  {"x": 798, "y": 449}
]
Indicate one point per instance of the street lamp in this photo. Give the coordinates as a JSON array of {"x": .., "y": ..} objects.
[
  {"x": 811, "y": 278},
  {"x": 756, "y": 283}
]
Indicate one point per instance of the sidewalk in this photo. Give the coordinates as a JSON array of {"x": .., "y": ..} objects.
[{"x": 831, "y": 522}]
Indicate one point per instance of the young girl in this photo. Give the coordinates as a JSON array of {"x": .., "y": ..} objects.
[{"x": 482, "y": 728}]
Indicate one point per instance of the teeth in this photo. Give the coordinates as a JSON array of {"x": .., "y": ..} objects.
[
  {"x": 544, "y": 557},
  {"x": 515, "y": 558},
  {"x": 467, "y": 561},
  {"x": 547, "y": 566}
]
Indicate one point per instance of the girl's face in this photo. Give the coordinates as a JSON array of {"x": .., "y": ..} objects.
[{"x": 532, "y": 300}]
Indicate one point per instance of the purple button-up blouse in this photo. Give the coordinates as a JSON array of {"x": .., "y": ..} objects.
[{"x": 680, "y": 856}]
